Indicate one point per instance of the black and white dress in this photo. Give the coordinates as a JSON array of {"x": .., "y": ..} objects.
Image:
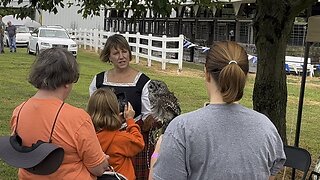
[{"x": 137, "y": 91}]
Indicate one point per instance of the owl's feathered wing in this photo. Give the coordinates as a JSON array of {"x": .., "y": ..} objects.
[{"x": 164, "y": 106}]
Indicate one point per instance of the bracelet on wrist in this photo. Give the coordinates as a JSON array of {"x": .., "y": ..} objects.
[{"x": 155, "y": 155}]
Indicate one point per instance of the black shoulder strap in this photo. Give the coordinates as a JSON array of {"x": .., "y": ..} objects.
[
  {"x": 54, "y": 123},
  {"x": 142, "y": 81},
  {"x": 15, "y": 129},
  {"x": 99, "y": 79}
]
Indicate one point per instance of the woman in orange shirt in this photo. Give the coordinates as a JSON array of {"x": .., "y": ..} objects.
[
  {"x": 121, "y": 146},
  {"x": 54, "y": 73}
]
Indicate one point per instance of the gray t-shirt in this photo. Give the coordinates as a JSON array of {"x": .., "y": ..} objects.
[
  {"x": 11, "y": 30},
  {"x": 223, "y": 141}
]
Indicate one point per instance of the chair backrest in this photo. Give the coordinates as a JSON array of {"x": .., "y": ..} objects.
[
  {"x": 298, "y": 158},
  {"x": 314, "y": 176}
]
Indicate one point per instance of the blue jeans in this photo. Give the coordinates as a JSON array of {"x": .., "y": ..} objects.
[
  {"x": 12, "y": 43},
  {"x": 1, "y": 43}
]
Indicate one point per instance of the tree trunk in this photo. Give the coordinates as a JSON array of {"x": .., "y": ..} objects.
[{"x": 272, "y": 27}]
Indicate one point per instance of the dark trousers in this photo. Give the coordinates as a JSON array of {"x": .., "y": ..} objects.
[{"x": 1, "y": 43}]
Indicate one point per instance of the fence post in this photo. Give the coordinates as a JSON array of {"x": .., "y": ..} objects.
[
  {"x": 76, "y": 37},
  {"x": 82, "y": 37},
  {"x": 80, "y": 43},
  {"x": 91, "y": 39},
  {"x": 137, "y": 47},
  {"x": 95, "y": 39},
  {"x": 101, "y": 34},
  {"x": 180, "y": 54},
  {"x": 127, "y": 36},
  {"x": 85, "y": 39},
  {"x": 164, "y": 54},
  {"x": 149, "y": 49}
]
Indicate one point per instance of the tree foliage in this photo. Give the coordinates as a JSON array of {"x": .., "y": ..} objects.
[{"x": 92, "y": 7}]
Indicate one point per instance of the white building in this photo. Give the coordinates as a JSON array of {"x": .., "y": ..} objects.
[{"x": 69, "y": 18}]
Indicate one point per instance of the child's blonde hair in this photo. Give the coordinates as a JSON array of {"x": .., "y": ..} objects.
[{"x": 103, "y": 107}]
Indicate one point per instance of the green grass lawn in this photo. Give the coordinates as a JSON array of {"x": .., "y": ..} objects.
[{"x": 187, "y": 85}]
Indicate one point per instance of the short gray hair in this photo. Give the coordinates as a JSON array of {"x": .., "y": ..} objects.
[{"x": 54, "y": 68}]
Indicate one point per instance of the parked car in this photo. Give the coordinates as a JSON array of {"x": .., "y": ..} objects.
[
  {"x": 22, "y": 36},
  {"x": 48, "y": 37}
]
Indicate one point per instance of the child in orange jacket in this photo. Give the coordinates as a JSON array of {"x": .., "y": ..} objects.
[{"x": 121, "y": 146}]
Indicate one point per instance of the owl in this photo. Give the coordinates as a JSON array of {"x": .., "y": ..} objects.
[{"x": 164, "y": 106}]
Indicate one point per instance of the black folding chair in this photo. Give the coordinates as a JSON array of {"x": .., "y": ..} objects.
[
  {"x": 314, "y": 176},
  {"x": 298, "y": 158}
]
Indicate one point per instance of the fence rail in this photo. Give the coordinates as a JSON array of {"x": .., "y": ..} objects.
[{"x": 152, "y": 48}]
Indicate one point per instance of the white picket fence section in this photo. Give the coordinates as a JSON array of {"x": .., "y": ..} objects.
[
  {"x": 295, "y": 64},
  {"x": 95, "y": 40}
]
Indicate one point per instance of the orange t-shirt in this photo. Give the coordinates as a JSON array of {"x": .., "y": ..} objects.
[
  {"x": 121, "y": 146},
  {"x": 73, "y": 131}
]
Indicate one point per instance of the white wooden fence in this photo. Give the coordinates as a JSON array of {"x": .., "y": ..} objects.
[
  {"x": 295, "y": 64},
  {"x": 95, "y": 40}
]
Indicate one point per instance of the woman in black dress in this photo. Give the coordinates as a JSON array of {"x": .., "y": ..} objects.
[{"x": 125, "y": 79}]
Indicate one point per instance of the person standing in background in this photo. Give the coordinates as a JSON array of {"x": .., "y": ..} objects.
[
  {"x": 11, "y": 29},
  {"x": 2, "y": 28}
]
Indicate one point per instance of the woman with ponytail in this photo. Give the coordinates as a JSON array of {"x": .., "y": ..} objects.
[{"x": 223, "y": 140}]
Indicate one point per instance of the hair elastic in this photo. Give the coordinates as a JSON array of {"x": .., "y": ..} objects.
[{"x": 233, "y": 61}]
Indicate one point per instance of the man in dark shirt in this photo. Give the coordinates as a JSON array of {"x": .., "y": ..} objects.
[{"x": 11, "y": 29}]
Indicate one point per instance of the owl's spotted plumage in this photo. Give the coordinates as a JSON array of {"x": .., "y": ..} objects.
[{"x": 164, "y": 105}]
